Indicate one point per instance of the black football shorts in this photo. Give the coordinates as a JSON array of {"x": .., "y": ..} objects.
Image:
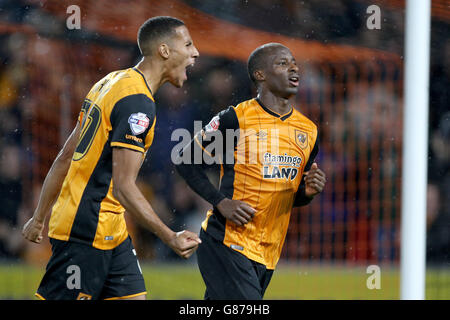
[
  {"x": 228, "y": 274},
  {"x": 79, "y": 271}
]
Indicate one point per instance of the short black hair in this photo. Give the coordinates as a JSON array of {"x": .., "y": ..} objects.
[
  {"x": 154, "y": 29},
  {"x": 257, "y": 59}
]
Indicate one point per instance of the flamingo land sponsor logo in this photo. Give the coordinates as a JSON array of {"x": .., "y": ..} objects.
[{"x": 139, "y": 122}]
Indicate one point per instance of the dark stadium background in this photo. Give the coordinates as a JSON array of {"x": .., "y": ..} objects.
[{"x": 351, "y": 87}]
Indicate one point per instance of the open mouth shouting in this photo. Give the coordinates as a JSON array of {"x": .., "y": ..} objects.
[
  {"x": 187, "y": 68},
  {"x": 294, "y": 80}
]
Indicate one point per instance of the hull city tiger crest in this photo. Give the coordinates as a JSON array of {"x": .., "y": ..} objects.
[
  {"x": 139, "y": 122},
  {"x": 301, "y": 138}
]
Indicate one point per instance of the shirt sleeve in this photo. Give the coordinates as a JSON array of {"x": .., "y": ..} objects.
[
  {"x": 218, "y": 139},
  {"x": 192, "y": 168},
  {"x": 131, "y": 119}
]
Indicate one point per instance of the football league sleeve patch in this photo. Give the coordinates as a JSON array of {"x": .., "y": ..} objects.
[
  {"x": 131, "y": 119},
  {"x": 216, "y": 130}
]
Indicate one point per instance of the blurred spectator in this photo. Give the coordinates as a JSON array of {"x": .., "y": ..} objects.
[
  {"x": 219, "y": 90},
  {"x": 433, "y": 204},
  {"x": 438, "y": 226},
  {"x": 439, "y": 76},
  {"x": 186, "y": 214},
  {"x": 174, "y": 111},
  {"x": 11, "y": 194},
  {"x": 438, "y": 196},
  {"x": 440, "y": 150}
]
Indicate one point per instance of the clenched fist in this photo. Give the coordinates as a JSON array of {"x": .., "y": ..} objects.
[
  {"x": 32, "y": 230},
  {"x": 315, "y": 180}
]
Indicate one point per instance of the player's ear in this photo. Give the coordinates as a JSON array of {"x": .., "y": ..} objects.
[
  {"x": 259, "y": 75},
  {"x": 164, "y": 50}
]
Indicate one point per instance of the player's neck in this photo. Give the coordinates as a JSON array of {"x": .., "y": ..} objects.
[
  {"x": 153, "y": 73},
  {"x": 276, "y": 104}
]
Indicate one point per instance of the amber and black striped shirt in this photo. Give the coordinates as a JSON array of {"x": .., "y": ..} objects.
[
  {"x": 269, "y": 154},
  {"x": 119, "y": 111}
]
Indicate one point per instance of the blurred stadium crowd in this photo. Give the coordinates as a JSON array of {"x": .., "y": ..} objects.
[{"x": 214, "y": 84}]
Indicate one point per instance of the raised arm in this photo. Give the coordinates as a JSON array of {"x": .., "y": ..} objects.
[
  {"x": 33, "y": 228},
  {"x": 126, "y": 165}
]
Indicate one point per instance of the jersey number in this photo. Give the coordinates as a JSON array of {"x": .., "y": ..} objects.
[{"x": 90, "y": 126}]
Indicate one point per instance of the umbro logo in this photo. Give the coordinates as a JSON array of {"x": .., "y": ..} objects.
[{"x": 262, "y": 135}]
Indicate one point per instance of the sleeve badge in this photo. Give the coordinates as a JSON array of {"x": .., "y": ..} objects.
[{"x": 139, "y": 122}]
